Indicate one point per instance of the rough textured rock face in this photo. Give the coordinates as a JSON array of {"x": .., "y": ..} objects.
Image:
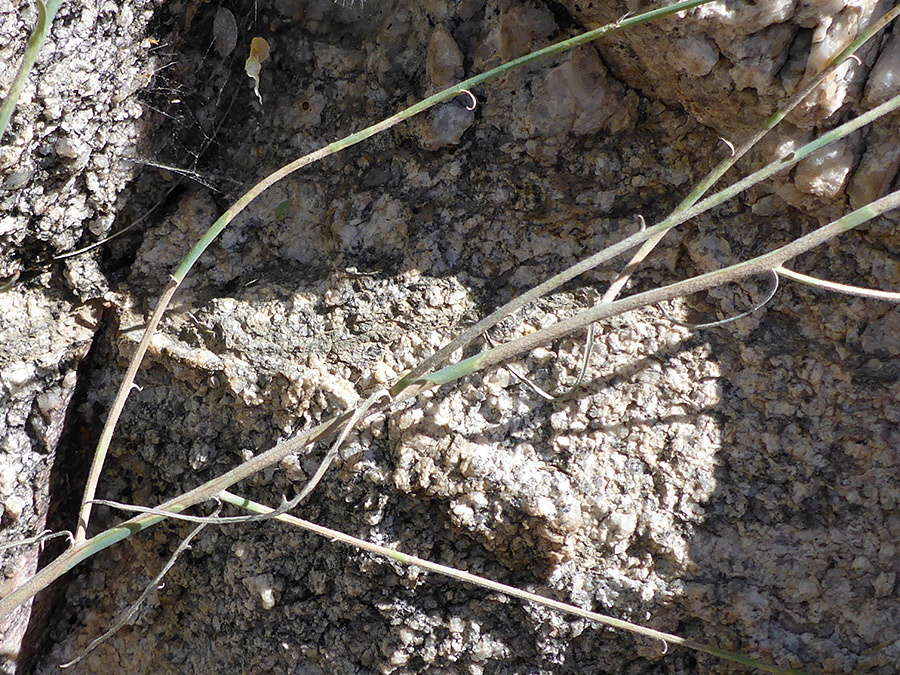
[
  {"x": 733, "y": 64},
  {"x": 43, "y": 340},
  {"x": 64, "y": 162},
  {"x": 70, "y": 149},
  {"x": 735, "y": 486}
]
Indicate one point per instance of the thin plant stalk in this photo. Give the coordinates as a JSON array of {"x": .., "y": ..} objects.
[
  {"x": 673, "y": 220},
  {"x": 409, "y": 385},
  {"x": 46, "y": 13},
  {"x": 217, "y": 227},
  {"x": 84, "y": 549},
  {"x": 737, "y": 153},
  {"x": 263, "y": 511},
  {"x": 769, "y": 261},
  {"x": 711, "y": 178},
  {"x": 765, "y": 263},
  {"x": 512, "y": 591},
  {"x": 125, "y": 616},
  {"x": 838, "y": 288},
  {"x": 772, "y": 261}
]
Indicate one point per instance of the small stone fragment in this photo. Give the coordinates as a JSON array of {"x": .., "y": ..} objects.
[
  {"x": 695, "y": 55},
  {"x": 825, "y": 171},
  {"x": 521, "y": 27},
  {"x": 225, "y": 31},
  {"x": 884, "y": 78},
  {"x": 448, "y": 124},
  {"x": 13, "y": 507},
  {"x": 880, "y": 338},
  {"x": 878, "y": 166},
  {"x": 444, "y": 62},
  {"x": 577, "y": 97}
]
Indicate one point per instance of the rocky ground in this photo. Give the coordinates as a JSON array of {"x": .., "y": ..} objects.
[{"x": 736, "y": 485}]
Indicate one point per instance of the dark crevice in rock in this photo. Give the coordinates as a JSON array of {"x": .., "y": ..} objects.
[{"x": 74, "y": 452}]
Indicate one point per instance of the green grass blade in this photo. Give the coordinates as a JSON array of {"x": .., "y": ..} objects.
[
  {"x": 216, "y": 228},
  {"x": 742, "y": 270},
  {"x": 611, "y": 252},
  {"x": 222, "y": 222},
  {"x": 46, "y": 12},
  {"x": 467, "y": 577}
]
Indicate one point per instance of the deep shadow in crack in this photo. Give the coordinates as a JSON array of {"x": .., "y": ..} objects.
[{"x": 68, "y": 474}]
